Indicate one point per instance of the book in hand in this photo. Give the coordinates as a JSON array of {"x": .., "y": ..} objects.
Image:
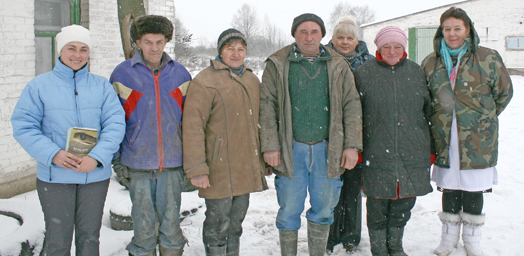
[{"x": 81, "y": 140}]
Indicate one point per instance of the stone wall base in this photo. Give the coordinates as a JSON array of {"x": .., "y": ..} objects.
[
  {"x": 16, "y": 183},
  {"x": 516, "y": 71}
]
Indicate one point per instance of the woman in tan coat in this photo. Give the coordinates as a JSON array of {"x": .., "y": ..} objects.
[{"x": 221, "y": 144}]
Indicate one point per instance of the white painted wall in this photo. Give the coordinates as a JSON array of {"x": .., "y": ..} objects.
[
  {"x": 102, "y": 21},
  {"x": 165, "y": 8},
  {"x": 101, "y": 18},
  {"x": 17, "y": 68},
  {"x": 493, "y": 20}
]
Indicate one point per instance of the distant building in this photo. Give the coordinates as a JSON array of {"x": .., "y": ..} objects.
[
  {"x": 28, "y": 28},
  {"x": 500, "y": 25}
]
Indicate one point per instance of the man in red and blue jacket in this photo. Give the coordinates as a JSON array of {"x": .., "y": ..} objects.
[{"x": 152, "y": 88}]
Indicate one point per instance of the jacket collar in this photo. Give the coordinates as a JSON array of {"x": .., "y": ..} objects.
[
  {"x": 361, "y": 49},
  {"x": 324, "y": 54},
  {"x": 281, "y": 57},
  {"x": 138, "y": 59},
  {"x": 384, "y": 63},
  {"x": 63, "y": 71},
  {"x": 475, "y": 39},
  {"x": 218, "y": 65}
]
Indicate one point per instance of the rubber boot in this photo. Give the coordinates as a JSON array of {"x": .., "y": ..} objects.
[
  {"x": 451, "y": 223},
  {"x": 233, "y": 246},
  {"x": 151, "y": 254},
  {"x": 471, "y": 233},
  {"x": 349, "y": 248},
  {"x": 394, "y": 241},
  {"x": 288, "y": 242},
  {"x": 317, "y": 237},
  {"x": 216, "y": 250},
  {"x": 171, "y": 251},
  {"x": 377, "y": 241}
]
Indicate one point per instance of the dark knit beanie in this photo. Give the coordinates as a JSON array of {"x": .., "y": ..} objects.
[
  {"x": 307, "y": 17},
  {"x": 227, "y": 35},
  {"x": 151, "y": 24}
]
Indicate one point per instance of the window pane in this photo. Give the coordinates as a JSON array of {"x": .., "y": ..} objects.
[
  {"x": 44, "y": 54},
  {"x": 515, "y": 42},
  {"x": 424, "y": 42},
  {"x": 51, "y": 15}
]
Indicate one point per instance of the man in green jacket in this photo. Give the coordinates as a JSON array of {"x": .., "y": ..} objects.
[{"x": 311, "y": 131}]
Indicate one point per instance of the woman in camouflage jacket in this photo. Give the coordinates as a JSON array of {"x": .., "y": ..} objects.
[{"x": 469, "y": 87}]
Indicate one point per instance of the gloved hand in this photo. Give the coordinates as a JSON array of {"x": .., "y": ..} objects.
[{"x": 121, "y": 172}]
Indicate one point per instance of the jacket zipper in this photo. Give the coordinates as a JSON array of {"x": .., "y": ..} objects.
[
  {"x": 159, "y": 121},
  {"x": 78, "y": 119},
  {"x": 396, "y": 126}
]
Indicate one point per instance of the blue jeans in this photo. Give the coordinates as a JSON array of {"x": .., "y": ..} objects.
[
  {"x": 309, "y": 173},
  {"x": 154, "y": 198}
]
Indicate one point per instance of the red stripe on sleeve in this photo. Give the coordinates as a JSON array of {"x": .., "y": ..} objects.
[
  {"x": 131, "y": 102},
  {"x": 177, "y": 94}
]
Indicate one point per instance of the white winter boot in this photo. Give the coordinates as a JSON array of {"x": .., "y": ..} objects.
[
  {"x": 450, "y": 233},
  {"x": 471, "y": 233}
]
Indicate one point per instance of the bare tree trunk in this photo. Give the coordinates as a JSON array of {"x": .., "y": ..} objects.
[{"x": 127, "y": 11}]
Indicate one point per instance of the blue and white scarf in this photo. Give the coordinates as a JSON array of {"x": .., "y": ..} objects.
[{"x": 447, "y": 53}]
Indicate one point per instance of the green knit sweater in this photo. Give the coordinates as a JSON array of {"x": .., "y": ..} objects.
[{"x": 309, "y": 92}]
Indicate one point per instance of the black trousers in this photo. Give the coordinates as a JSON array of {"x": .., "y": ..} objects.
[
  {"x": 383, "y": 213},
  {"x": 453, "y": 201},
  {"x": 347, "y": 223},
  {"x": 69, "y": 207},
  {"x": 224, "y": 219}
]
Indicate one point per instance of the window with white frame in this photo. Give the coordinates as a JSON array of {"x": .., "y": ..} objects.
[
  {"x": 50, "y": 17},
  {"x": 515, "y": 42}
]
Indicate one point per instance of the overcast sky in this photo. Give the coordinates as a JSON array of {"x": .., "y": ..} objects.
[{"x": 208, "y": 18}]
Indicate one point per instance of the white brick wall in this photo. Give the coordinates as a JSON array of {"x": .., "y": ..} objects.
[
  {"x": 17, "y": 68},
  {"x": 164, "y": 8},
  {"x": 501, "y": 18},
  {"x": 102, "y": 20}
]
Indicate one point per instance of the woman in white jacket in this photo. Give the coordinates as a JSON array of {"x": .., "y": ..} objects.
[{"x": 72, "y": 189}]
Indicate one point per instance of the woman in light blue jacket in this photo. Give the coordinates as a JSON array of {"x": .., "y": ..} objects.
[{"x": 72, "y": 189}]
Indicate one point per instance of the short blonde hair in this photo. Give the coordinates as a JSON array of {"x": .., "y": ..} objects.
[{"x": 346, "y": 25}]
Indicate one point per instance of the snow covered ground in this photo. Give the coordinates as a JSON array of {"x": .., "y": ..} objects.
[{"x": 502, "y": 233}]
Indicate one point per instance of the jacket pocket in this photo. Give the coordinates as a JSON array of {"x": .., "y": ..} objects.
[
  {"x": 215, "y": 153},
  {"x": 134, "y": 135},
  {"x": 488, "y": 129}
]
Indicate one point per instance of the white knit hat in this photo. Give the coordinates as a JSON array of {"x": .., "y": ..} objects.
[{"x": 73, "y": 33}]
